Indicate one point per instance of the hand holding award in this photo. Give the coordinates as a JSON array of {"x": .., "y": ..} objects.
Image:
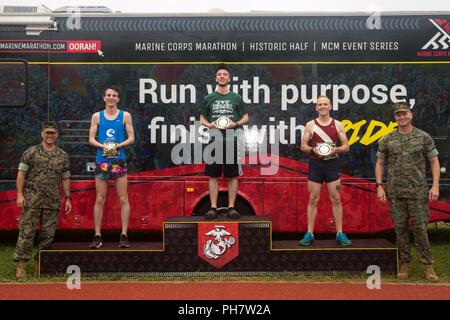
[
  {"x": 223, "y": 122},
  {"x": 324, "y": 149},
  {"x": 110, "y": 149}
]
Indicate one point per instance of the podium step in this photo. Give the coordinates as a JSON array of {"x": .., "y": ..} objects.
[
  {"x": 107, "y": 246},
  {"x": 369, "y": 244},
  {"x": 194, "y": 247}
]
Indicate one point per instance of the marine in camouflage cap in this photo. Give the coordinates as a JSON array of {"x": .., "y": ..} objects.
[
  {"x": 43, "y": 168},
  {"x": 50, "y": 126},
  {"x": 401, "y": 107},
  {"x": 406, "y": 151}
]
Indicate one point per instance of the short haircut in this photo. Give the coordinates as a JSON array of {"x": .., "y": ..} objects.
[
  {"x": 222, "y": 66},
  {"x": 319, "y": 97},
  {"x": 115, "y": 88}
]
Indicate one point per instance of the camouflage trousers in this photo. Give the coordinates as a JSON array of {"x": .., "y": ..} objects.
[
  {"x": 402, "y": 210},
  {"x": 27, "y": 230}
]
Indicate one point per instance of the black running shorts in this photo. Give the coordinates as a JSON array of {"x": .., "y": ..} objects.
[{"x": 321, "y": 171}]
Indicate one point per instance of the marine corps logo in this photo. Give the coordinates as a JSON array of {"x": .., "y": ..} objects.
[{"x": 218, "y": 242}]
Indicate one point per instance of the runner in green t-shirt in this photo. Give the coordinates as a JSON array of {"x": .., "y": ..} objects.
[{"x": 223, "y": 103}]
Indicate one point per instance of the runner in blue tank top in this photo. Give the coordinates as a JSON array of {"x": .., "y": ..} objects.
[
  {"x": 111, "y": 126},
  {"x": 111, "y": 132}
]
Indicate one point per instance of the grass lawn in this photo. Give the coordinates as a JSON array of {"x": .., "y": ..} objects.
[{"x": 439, "y": 235}]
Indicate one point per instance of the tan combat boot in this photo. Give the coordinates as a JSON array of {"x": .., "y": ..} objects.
[
  {"x": 430, "y": 274},
  {"x": 404, "y": 271},
  {"x": 20, "y": 270}
]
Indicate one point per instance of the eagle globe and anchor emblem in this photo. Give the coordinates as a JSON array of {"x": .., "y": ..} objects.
[
  {"x": 214, "y": 248},
  {"x": 218, "y": 243}
]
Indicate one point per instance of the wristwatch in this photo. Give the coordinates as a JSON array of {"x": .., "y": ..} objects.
[
  {"x": 68, "y": 197},
  {"x": 379, "y": 184}
]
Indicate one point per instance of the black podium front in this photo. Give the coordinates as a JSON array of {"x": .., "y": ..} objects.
[{"x": 194, "y": 247}]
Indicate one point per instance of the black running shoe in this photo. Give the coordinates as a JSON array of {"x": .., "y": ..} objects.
[
  {"x": 96, "y": 243},
  {"x": 211, "y": 214},
  {"x": 123, "y": 243},
  {"x": 233, "y": 214}
]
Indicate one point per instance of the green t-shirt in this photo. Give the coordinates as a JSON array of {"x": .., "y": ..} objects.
[{"x": 216, "y": 105}]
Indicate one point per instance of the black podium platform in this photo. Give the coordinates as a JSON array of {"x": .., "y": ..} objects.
[{"x": 194, "y": 247}]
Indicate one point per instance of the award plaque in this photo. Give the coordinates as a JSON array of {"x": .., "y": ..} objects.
[
  {"x": 223, "y": 122},
  {"x": 110, "y": 150},
  {"x": 324, "y": 149}
]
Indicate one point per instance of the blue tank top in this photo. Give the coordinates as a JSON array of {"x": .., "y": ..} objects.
[{"x": 110, "y": 131}]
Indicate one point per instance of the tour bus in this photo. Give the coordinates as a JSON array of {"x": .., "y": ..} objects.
[{"x": 54, "y": 65}]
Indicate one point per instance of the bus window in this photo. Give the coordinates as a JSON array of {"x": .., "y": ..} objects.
[{"x": 13, "y": 83}]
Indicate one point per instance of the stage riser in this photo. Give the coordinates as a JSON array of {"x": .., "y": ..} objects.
[{"x": 257, "y": 255}]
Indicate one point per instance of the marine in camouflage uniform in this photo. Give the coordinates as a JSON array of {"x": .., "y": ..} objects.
[
  {"x": 406, "y": 189},
  {"x": 42, "y": 169}
]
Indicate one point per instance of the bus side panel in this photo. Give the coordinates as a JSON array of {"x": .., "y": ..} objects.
[
  {"x": 9, "y": 213},
  {"x": 151, "y": 202},
  {"x": 252, "y": 192},
  {"x": 196, "y": 192},
  {"x": 83, "y": 199},
  {"x": 280, "y": 205},
  {"x": 380, "y": 219},
  {"x": 20, "y": 127},
  {"x": 355, "y": 205}
]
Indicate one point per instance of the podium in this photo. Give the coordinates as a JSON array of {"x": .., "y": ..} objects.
[{"x": 193, "y": 246}]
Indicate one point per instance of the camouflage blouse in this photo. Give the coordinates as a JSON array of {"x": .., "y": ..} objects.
[
  {"x": 45, "y": 170},
  {"x": 405, "y": 155}
]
